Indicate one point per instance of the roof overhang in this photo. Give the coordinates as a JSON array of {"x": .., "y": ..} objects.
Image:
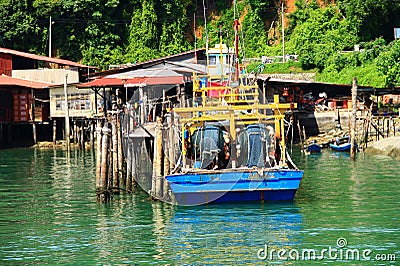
[
  {"x": 6, "y": 81},
  {"x": 44, "y": 58}
]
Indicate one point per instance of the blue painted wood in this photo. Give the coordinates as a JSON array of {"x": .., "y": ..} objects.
[
  {"x": 341, "y": 147},
  {"x": 233, "y": 186},
  {"x": 314, "y": 148}
]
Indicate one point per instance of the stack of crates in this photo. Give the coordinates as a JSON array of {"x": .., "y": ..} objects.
[{"x": 22, "y": 106}]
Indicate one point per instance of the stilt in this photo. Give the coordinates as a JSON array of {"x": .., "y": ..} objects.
[
  {"x": 82, "y": 133},
  {"x": 157, "y": 161},
  {"x": 98, "y": 155},
  {"x": 129, "y": 156},
  {"x": 166, "y": 147},
  {"x": 171, "y": 141},
  {"x": 92, "y": 134},
  {"x": 114, "y": 152},
  {"x": 74, "y": 135},
  {"x": 34, "y": 133},
  {"x": 104, "y": 193},
  {"x": 54, "y": 132},
  {"x": 104, "y": 156},
  {"x": 121, "y": 176},
  {"x": 134, "y": 163}
]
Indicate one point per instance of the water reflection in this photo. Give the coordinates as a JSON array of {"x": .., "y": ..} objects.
[{"x": 201, "y": 234}]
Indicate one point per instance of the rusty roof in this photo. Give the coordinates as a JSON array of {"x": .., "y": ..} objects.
[
  {"x": 43, "y": 58},
  {"x": 9, "y": 81}
]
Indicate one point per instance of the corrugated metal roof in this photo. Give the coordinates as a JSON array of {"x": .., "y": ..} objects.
[
  {"x": 132, "y": 82},
  {"x": 146, "y": 73},
  {"x": 43, "y": 58},
  {"x": 147, "y": 63},
  {"x": 135, "y": 78},
  {"x": 9, "y": 81}
]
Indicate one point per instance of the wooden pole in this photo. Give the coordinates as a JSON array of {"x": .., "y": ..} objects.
[
  {"x": 98, "y": 155},
  {"x": 104, "y": 162},
  {"x": 159, "y": 136},
  {"x": 54, "y": 132},
  {"x": 171, "y": 150},
  {"x": 114, "y": 152},
  {"x": 141, "y": 102},
  {"x": 129, "y": 156},
  {"x": 34, "y": 133},
  {"x": 166, "y": 144},
  {"x": 354, "y": 119},
  {"x": 67, "y": 134},
  {"x": 121, "y": 175},
  {"x": 283, "y": 34},
  {"x": 388, "y": 127},
  {"x": 92, "y": 134},
  {"x": 83, "y": 126},
  {"x": 157, "y": 161},
  {"x": 74, "y": 132}
]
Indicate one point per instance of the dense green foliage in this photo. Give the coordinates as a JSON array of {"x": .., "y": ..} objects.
[
  {"x": 104, "y": 32},
  {"x": 325, "y": 38}
]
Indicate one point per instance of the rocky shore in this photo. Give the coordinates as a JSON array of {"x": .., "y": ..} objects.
[{"x": 389, "y": 146}]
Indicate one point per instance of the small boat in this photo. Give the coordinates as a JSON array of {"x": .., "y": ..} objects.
[
  {"x": 341, "y": 144},
  {"x": 313, "y": 148}
]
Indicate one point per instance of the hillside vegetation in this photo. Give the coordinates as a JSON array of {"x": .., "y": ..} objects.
[{"x": 322, "y": 33}]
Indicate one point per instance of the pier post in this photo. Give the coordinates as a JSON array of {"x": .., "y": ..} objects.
[
  {"x": 114, "y": 152},
  {"x": 103, "y": 193},
  {"x": 67, "y": 127},
  {"x": 129, "y": 155},
  {"x": 98, "y": 155},
  {"x": 388, "y": 127},
  {"x": 167, "y": 143},
  {"x": 354, "y": 119},
  {"x": 34, "y": 133},
  {"x": 54, "y": 132},
  {"x": 121, "y": 176},
  {"x": 74, "y": 132},
  {"x": 83, "y": 126},
  {"x": 92, "y": 130},
  {"x": 157, "y": 161}
]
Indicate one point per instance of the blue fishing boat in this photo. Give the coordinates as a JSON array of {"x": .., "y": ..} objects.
[
  {"x": 232, "y": 140},
  {"x": 313, "y": 148},
  {"x": 341, "y": 144}
]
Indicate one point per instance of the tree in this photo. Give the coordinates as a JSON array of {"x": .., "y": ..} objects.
[
  {"x": 370, "y": 18},
  {"x": 18, "y": 26},
  {"x": 143, "y": 33},
  {"x": 388, "y": 64}
]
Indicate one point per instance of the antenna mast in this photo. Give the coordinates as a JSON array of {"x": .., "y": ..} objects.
[
  {"x": 283, "y": 35},
  {"x": 195, "y": 40},
  {"x": 236, "y": 27},
  {"x": 205, "y": 29}
]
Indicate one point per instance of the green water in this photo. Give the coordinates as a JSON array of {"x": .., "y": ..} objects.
[{"x": 49, "y": 215}]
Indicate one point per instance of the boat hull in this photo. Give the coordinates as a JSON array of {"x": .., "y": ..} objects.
[
  {"x": 314, "y": 148},
  {"x": 341, "y": 147},
  {"x": 234, "y": 186}
]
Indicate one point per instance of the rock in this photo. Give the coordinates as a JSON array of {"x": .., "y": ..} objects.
[{"x": 389, "y": 146}]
